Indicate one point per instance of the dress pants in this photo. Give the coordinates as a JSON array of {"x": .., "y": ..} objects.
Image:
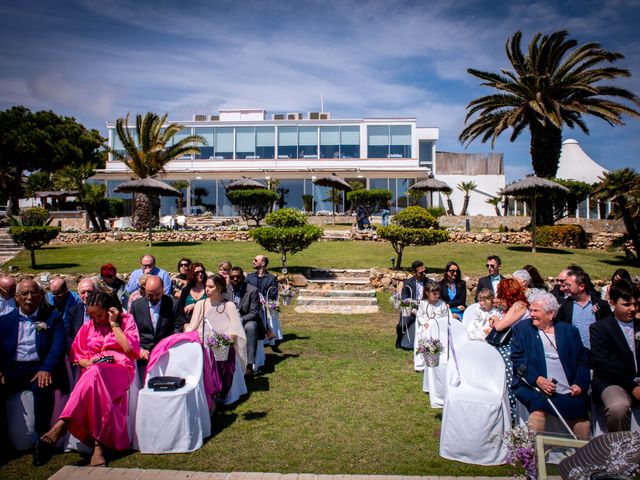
[
  {"x": 251, "y": 330},
  {"x": 617, "y": 408}
]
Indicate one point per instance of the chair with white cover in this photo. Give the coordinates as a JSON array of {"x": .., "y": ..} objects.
[
  {"x": 174, "y": 421},
  {"x": 435, "y": 378},
  {"x": 476, "y": 407}
]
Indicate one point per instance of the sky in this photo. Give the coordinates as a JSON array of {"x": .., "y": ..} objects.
[{"x": 98, "y": 60}]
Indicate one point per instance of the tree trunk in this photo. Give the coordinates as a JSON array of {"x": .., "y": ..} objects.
[
  {"x": 141, "y": 211},
  {"x": 497, "y": 210},
  {"x": 465, "y": 206},
  {"x": 33, "y": 258},
  {"x": 450, "y": 206},
  {"x": 546, "y": 146},
  {"x": 399, "y": 251}
]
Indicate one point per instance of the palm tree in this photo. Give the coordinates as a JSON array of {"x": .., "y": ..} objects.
[
  {"x": 179, "y": 185},
  {"x": 495, "y": 201},
  {"x": 622, "y": 188},
  {"x": 447, "y": 193},
  {"x": 74, "y": 177},
  {"x": 466, "y": 187},
  {"x": 555, "y": 84},
  {"x": 146, "y": 155}
]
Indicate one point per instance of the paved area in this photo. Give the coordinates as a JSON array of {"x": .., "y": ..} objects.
[{"x": 78, "y": 473}]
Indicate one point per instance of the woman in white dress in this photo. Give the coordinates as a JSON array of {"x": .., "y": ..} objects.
[{"x": 216, "y": 314}]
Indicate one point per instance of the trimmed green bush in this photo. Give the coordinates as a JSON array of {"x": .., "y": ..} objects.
[
  {"x": 371, "y": 200},
  {"x": 286, "y": 217},
  {"x": 561, "y": 235},
  {"x": 33, "y": 237},
  {"x": 436, "y": 212},
  {"x": 253, "y": 204},
  {"x": 34, "y": 217},
  {"x": 415, "y": 217}
]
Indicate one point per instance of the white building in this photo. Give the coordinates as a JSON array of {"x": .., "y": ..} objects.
[{"x": 293, "y": 148}]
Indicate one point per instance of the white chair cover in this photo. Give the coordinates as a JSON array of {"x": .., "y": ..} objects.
[
  {"x": 434, "y": 380},
  {"x": 261, "y": 356},
  {"x": 21, "y": 420},
  {"x": 476, "y": 407},
  {"x": 273, "y": 318},
  {"x": 174, "y": 422},
  {"x": 238, "y": 385}
]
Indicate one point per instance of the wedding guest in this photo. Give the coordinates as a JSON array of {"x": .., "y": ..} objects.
[
  {"x": 224, "y": 269},
  {"x": 181, "y": 280},
  {"x": 493, "y": 278},
  {"x": 193, "y": 290},
  {"x": 453, "y": 290},
  {"x": 412, "y": 291},
  {"x": 536, "y": 279},
  {"x": 148, "y": 267},
  {"x": 139, "y": 292},
  {"x": 619, "y": 274},
  {"x": 476, "y": 316},
  {"x": 7, "y": 294},
  {"x": 60, "y": 297},
  {"x": 109, "y": 276},
  {"x": 559, "y": 290},
  {"x": 554, "y": 360},
  {"x": 105, "y": 348},
  {"x": 79, "y": 314},
  {"x": 267, "y": 285}
]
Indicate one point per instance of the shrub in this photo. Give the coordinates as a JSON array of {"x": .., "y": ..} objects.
[
  {"x": 33, "y": 237},
  {"x": 400, "y": 237},
  {"x": 111, "y": 207},
  {"x": 561, "y": 235},
  {"x": 436, "y": 212},
  {"x": 371, "y": 200},
  {"x": 415, "y": 217},
  {"x": 307, "y": 199},
  {"x": 286, "y": 217},
  {"x": 34, "y": 217},
  {"x": 253, "y": 204}
]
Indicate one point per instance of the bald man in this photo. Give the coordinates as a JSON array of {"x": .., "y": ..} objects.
[
  {"x": 60, "y": 297},
  {"x": 148, "y": 266},
  {"x": 7, "y": 294},
  {"x": 78, "y": 314}
]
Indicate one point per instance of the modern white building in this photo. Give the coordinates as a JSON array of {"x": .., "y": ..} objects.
[{"x": 293, "y": 149}]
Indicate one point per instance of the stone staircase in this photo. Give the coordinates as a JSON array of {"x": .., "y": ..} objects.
[
  {"x": 205, "y": 222},
  {"x": 336, "y": 235},
  {"x": 8, "y": 249},
  {"x": 337, "y": 291}
]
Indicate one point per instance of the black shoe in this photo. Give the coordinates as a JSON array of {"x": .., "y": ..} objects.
[{"x": 41, "y": 453}]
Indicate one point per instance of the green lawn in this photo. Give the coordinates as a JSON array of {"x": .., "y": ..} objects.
[
  {"x": 339, "y": 254},
  {"x": 339, "y": 398}
]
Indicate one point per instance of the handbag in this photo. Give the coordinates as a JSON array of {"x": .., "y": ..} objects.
[
  {"x": 498, "y": 338},
  {"x": 165, "y": 384}
]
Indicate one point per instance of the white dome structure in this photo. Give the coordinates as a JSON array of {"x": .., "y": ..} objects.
[{"x": 575, "y": 164}]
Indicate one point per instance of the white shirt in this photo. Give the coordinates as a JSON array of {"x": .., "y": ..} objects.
[
  {"x": 7, "y": 306},
  {"x": 627, "y": 330},
  {"x": 26, "y": 350},
  {"x": 154, "y": 313},
  {"x": 419, "y": 291}
]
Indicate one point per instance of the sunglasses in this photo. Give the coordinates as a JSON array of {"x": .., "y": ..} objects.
[
  {"x": 452, "y": 270},
  {"x": 235, "y": 277},
  {"x": 488, "y": 265},
  {"x": 184, "y": 265},
  {"x": 199, "y": 272}
]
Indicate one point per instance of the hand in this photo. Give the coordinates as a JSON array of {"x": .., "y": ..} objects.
[
  {"x": 636, "y": 392},
  {"x": 575, "y": 390},
  {"x": 546, "y": 385},
  {"x": 414, "y": 311},
  {"x": 461, "y": 308},
  {"x": 492, "y": 320},
  {"x": 486, "y": 331},
  {"x": 42, "y": 378},
  {"x": 113, "y": 317},
  {"x": 144, "y": 354},
  {"x": 189, "y": 308}
]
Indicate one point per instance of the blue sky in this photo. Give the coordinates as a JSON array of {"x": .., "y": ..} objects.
[{"x": 97, "y": 60}]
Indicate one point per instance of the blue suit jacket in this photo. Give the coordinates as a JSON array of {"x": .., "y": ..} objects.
[{"x": 50, "y": 343}]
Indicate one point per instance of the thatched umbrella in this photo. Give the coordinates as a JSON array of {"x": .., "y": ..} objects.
[
  {"x": 531, "y": 186},
  {"x": 430, "y": 185},
  {"x": 244, "y": 183},
  {"x": 336, "y": 183},
  {"x": 148, "y": 186}
]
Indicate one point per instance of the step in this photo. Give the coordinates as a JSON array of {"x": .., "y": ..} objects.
[
  {"x": 324, "y": 301},
  {"x": 340, "y": 280},
  {"x": 324, "y": 273},
  {"x": 338, "y": 309},
  {"x": 308, "y": 292}
]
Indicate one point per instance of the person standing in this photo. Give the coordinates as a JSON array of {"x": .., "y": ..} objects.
[
  {"x": 412, "y": 291},
  {"x": 267, "y": 285},
  {"x": 148, "y": 267},
  {"x": 559, "y": 290},
  {"x": 491, "y": 280}
]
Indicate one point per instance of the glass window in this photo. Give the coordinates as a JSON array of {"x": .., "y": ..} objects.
[
  {"x": 322, "y": 199},
  {"x": 379, "y": 183},
  {"x": 245, "y": 142},
  {"x": 291, "y": 192},
  {"x": 203, "y": 193},
  {"x": 288, "y": 142},
  {"x": 206, "y": 151},
  {"x": 350, "y": 142},
  {"x": 425, "y": 154},
  {"x": 224, "y": 142},
  {"x": 400, "y": 140},
  {"x": 307, "y": 141},
  {"x": 378, "y": 141},
  {"x": 329, "y": 142},
  {"x": 265, "y": 142}
]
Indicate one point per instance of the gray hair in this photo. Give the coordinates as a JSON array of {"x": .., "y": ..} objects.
[
  {"x": 522, "y": 275},
  {"x": 94, "y": 280},
  {"x": 548, "y": 301}
]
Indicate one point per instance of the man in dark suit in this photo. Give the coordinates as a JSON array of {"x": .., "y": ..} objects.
[
  {"x": 559, "y": 290},
  {"x": 493, "y": 278},
  {"x": 78, "y": 314},
  {"x": 412, "y": 290},
  {"x": 615, "y": 355},
  {"x": 32, "y": 350},
  {"x": 265, "y": 282},
  {"x": 157, "y": 316},
  {"x": 581, "y": 308},
  {"x": 247, "y": 300},
  {"x": 60, "y": 297}
]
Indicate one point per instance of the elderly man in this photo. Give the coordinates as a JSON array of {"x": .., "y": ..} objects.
[
  {"x": 582, "y": 307},
  {"x": 412, "y": 290},
  {"x": 615, "y": 356},
  {"x": 148, "y": 267},
  {"x": 78, "y": 314},
  {"x": 7, "y": 294},
  {"x": 60, "y": 297},
  {"x": 32, "y": 350},
  {"x": 493, "y": 278},
  {"x": 247, "y": 300},
  {"x": 559, "y": 290}
]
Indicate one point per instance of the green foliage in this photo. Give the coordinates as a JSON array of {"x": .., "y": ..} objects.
[
  {"x": 286, "y": 217},
  {"x": 371, "y": 200},
  {"x": 436, "y": 212},
  {"x": 561, "y": 235},
  {"x": 286, "y": 239},
  {"x": 307, "y": 200},
  {"x": 253, "y": 204},
  {"x": 415, "y": 217},
  {"x": 563, "y": 201},
  {"x": 111, "y": 207},
  {"x": 38, "y": 182},
  {"x": 34, "y": 217},
  {"x": 33, "y": 237}
]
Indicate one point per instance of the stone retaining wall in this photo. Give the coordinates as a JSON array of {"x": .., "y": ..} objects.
[{"x": 518, "y": 222}]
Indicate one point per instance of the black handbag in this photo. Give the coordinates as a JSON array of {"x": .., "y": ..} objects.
[
  {"x": 498, "y": 338},
  {"x": 165, "y": 384}
]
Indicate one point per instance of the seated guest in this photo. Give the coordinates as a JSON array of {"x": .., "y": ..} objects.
[
  {"x": 247, "y": 301},
  {"x": 157, "y": 316},
  {"x": 109, "y": 277},
  {"x": 559, "y": 290},
  {"x": 553, "y": 358},
  {"x": 431, "y": 308},
  {"x": 60, "y": 297},
  {"x": 32, "y": 353},
  {"x": 615, "y": 357},
  {"x": 78, "y": 314},
  {"x": 181, "y": 280},
  {"x": 618, "y": 275},
  {"x": 493, "y": 278},
  {"x": 476, "y": 316},
  {"x": 224, "y": 269},
  {"x": 105, "y": 348},
  {"x": 537, "y": 281},
  {"x": 412, "y": 291},
  {"x": 581, "y": 308},
  {"x": 7, "y": 294},
  {"x": 453, "y": 290},
  {"x": 139, "y": 293},
  {"x": 267, "y": 285},
  {"x": 148, "y": 266},
  {"x": 220, "y": 315},
  {"x": 194, "y": 290}
]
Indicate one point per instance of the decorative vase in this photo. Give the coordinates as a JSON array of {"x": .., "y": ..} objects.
[
  {"x": 221, "y": 354},
  {"x": 431, "y": 359}
]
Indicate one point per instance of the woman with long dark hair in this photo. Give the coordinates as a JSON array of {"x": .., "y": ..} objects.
[
  {"x": 194, "y": 290},
  {"x": 453, "y": 290}
]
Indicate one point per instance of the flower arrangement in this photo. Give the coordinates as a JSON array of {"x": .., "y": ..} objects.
[
  {"x": 271, "y": 304},
  {"x": 521, "y": 449},
  {"x": 430, "y": 346},
  {"x": 395, "y": 300},
  {"x": 637, "y": 336},
  {"x": 41, "y": 327},
  {"x": 219, "y": 340}
]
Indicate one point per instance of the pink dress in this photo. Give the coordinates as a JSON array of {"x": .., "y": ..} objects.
[{"x": 98, "y": 405}]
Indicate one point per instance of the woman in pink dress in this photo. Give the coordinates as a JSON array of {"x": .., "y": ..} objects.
[{"x": 106, "y": 348}]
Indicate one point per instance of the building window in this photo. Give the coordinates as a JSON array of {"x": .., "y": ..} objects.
[
  {"x": 378, "y": 141},
  {"x": 287, "y": 142},
  {"x": 308, "y": 142},
  {"x": 389, "y": 141},
  {"x": 265, "y": 142},
  {"x": 223, "y": 143},
  {"x": 350, "y": 142},
  {"x": 330, "y": 142},
  {"x": 425, "y": 154},
  {"x": 206, "y": 151},
  {"x": 245, "y": 142}
]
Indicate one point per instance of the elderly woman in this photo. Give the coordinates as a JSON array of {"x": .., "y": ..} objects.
[
  {"x": 431, "y": 308},
  {"x": 453, "y": 290},
  {"x": 220, "y": 315},
  {"x": 553, "y": 358},
  {"x": 106, "y": 348}
]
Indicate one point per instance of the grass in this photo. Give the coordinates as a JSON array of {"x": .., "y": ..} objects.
[
  {"x": 338, "y": 399},
  {"x": 339, "y": 254}
]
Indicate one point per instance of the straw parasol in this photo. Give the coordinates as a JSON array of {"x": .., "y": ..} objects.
[
  {"x": 531, "y": 186},
  {"x": 336, "y": 183},
  {"x": 148, "y": 186},
  {"x": 244, "y": 183},
  {"x": 430, "y": 185}
]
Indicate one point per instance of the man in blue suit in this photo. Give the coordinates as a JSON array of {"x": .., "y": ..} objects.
[{"x": 32, "y": 349}]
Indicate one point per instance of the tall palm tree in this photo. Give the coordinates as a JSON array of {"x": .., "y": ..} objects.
[
  {"x": 555, "y": 84},
  {"x": 466, "y": 187},
  {"x": 146, "y": 155}
]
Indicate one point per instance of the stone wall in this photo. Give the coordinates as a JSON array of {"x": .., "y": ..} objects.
[{"x": 516, "y": 223}]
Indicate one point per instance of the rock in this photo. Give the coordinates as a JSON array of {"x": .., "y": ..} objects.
[
  {"x": 385, "y": 282},
  {"x": 298, "y": 280}
]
